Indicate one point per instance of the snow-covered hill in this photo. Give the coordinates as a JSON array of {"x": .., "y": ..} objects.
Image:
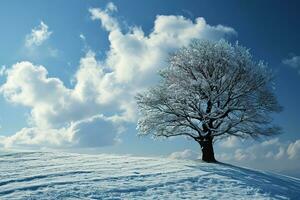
[{"x": 39, "y": 175}]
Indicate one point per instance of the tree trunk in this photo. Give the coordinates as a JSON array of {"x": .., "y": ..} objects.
[{"x": 207, "y": 150}]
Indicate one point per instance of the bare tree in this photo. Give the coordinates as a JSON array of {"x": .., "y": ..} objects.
[{"x": 210, "y": 90}]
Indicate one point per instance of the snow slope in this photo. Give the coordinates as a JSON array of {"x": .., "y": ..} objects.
[{"x": 40, "y": 175}]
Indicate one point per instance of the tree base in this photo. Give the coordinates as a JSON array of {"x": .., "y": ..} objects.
[
  {"x": 207, "y": 151},
  {"x": 209, "y": 160}
]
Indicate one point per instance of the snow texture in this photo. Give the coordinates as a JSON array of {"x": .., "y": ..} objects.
[{"x": 53, "y": 175}]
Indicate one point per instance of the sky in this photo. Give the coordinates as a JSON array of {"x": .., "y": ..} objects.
[{"x": 69, "y": 73}]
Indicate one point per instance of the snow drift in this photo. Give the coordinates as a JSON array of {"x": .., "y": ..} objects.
[{"x": 52, "y": 175}]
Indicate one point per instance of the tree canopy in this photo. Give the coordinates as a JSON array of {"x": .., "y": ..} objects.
[{"x": 210, "y": 90}]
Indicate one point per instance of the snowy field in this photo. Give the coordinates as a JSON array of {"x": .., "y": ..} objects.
[{"x": 39, "y": 175}]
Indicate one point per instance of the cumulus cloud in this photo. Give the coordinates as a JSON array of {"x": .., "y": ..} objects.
[
  {"x": 241, "y": 154},
  {"x": 272, "y": 149},
  {"x": 108, "y": 22},
  {"x": 35, "y": 137},
  {"x": 134, "y": 53},
  {"x": 280, "y": 154},
  {"x": 52, "y": 103},
  {"x": 111, "y": 7},
  {"x": 273, "y": 154},
  {"x": 185, "y": 154},
  {"x": 230, "y": 142},
  {"x": 95, "y": 131},
  {"x": 104, "y": 86},
  {"x": 29, "y": 85},
  {"x": 38, "y": 35},
  {"x": 293, "y": 62},
  {"x": 36, "y": 46},
  {"x": 293, "y": 150}
]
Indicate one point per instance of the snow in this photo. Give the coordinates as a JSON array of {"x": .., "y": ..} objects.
[{"x": 54, "y": 175}]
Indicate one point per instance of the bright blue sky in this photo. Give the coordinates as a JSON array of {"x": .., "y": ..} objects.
[{"x": 269, "y": 28}]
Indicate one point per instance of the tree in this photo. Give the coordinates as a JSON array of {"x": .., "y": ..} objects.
[{"x": 210, "y": 90}]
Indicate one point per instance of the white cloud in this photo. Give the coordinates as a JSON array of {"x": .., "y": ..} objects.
[
  {"x": 35, "y": 137},
  {"x": 95, "y": 131},
  {"x": 36, "y": 46},
  {"x": 272, "y": 149},
  {"x": 29, "y": 85},
  {"x": 269, "y": 149},
  {"x": 38, "y": 35},
  {"x": 293, "y": 62},
  {"x": 271, "y": 142},
  {"x": 185, "y": 154},
  {"x": 107, "y": 21},
  {"x": 272, "y": 154},
  {"x": 241, "y": 154},
  {"x": 101, "y": 86},
  {"x": 280, "y": 153},
  {"x": 223, "y": 157},
  {"x": 230, "y": 142},
  {"x": 52, "y": 104},
  {"x": 134, "y": 54},
  {"x": 293, "y": 150},
  {"x": 111, "y": 7}
]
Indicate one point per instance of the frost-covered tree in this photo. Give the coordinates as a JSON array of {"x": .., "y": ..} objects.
[{"x": 210, "y": 90}]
